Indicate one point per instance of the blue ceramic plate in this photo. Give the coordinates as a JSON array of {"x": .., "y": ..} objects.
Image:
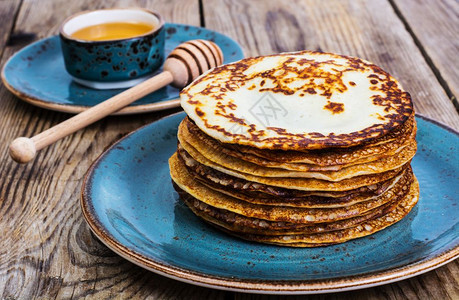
[
  {"x": 36, "y": 74},
  {"x": 130, "y": 204}
]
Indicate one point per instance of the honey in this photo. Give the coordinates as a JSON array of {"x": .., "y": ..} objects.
[{"x": 112, "y": 31}]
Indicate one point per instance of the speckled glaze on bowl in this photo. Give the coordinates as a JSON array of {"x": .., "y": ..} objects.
[
  {"x": 129, "y": 203},
  {"x": 37, "y": 75},
  {"x": 120, "y": 60}
]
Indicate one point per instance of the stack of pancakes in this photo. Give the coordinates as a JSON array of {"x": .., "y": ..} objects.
[{"x": 297, "y": 149}]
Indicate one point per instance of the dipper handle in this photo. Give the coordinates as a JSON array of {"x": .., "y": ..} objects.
[{"x": 182, "y": 66}]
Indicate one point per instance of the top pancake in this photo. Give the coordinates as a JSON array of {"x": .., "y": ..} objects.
[{"x": 297, "y": 101}]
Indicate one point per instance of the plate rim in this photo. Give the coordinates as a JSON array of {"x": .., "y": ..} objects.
[
  {"x": 338, "y": 284},
  {"x": 75, "y": 109}
]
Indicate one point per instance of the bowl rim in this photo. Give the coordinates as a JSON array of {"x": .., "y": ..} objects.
[{"x": 160, "y": 18}]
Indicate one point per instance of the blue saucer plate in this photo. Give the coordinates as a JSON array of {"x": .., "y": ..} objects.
[
  {"x": 37, "y": 75},
  {"x": 130, "y": 204}
]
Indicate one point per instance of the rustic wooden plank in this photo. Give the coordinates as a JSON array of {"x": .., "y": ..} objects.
[
  {"x": 8, "y": 13},
  {"x": 367, "y": 29},
  {"x": 46, "y": 248},
  {"x": 435, "y": 24}
]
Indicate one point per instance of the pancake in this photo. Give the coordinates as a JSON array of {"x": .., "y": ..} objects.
[
  {"x": 186, "y": 182},
  {"x": 298, "y": 245},
  {"x": 309, "y": 201},
  {"x": 194, "y": 159},
  {"x": 319, "y": 160},
  {"x": 363, "y": 229},
  {"x": 193, "y": 145},
  {"x": 242, "y": 224},
  {"x": 218, "y": 180},
  {"x": 297, "y": 101}
]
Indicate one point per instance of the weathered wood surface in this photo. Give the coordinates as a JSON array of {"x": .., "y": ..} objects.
[
  {"x": 46, "y": 248},
  {"x": 8, "y": 12},
  {"x": 435, "y": 23}
]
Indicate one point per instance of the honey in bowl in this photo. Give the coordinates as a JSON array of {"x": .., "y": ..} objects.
[
  {"x": 112, "y": 31},
  {"x": 112, "y": 48}
]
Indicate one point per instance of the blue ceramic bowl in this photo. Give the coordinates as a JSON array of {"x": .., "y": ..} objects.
[{"x": 116, "y": 63}]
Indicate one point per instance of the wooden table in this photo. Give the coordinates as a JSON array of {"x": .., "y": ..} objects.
[{"x": 46, "y": 248}]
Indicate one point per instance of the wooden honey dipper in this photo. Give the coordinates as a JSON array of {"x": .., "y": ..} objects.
[{"x": 182, "y": 66}]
